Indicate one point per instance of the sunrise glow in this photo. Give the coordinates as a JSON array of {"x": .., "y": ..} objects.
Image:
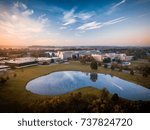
[{"x": 98, "y": 22}]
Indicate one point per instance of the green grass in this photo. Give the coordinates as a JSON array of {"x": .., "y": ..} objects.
[{"x": 14, "y": 92}]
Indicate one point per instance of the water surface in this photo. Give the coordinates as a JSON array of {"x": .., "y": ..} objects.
[{"x": 62, "y": 82}]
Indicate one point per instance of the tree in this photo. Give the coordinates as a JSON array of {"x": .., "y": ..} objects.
[
  {"x": 94, "y": 65},
  {"x": 112, "y": 67},
  {"x": 115, "y": 97},
  {"x": 145, "y": 74},
  {"x": 3, "y": 80},
  {"x": 52, "y": 60},
  {"x": 105, "y": 66},
  {"x": 74, "y": 57},
  {"x": 12, "y": 66},
  {"x": 82, "y": 60},
  {"x": 118, "y": 60},
  {"x": 15, "y": 75},
  {"x": 104, "y": 94},
  {"x": 7, "y": 77},
  {"x": 146, "y": 69},
  {"x": 107, "y": 60},
  {"x": 45, "y": 63},
  {"x": 120, "y": 69},
  {"x": 131, "y": 72},
  {"x": 99, "y": 64}
]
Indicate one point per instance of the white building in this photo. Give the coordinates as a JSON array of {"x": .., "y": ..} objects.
[
  {"x": 111, "y": 55},
  {"x": 122, "y": 56},
  {"x": 129, "y": 58},
  {"x": 22, "y": 62},
  {"x": 98, "y": 57},
  {"x": 42, "y": 60},
  {"x": 64, "y": 54},
  {"x": 89, "y": 52},
  {"x": 94, "y": 53}
]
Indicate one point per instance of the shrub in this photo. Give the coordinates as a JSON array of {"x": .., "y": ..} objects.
[
  {"x": 12, "y": 66},
  {"x": 94, "y": 65},
  {"x": 107, "y": 60},
  {"x": 112, "y": 67},
  {"x": 45, "y": 63},
  {"x": 15, "y": 75},
  {"x": 7, "y": 77},
  {"x": 105, "y": 66},
  {"x": 115, "y": 97},
  {"x": 3, "y": 80},
  {"x": 82, "y": 61},
  {"x": 132, "y": 72},
  {"x": 99, "y": 64},
  {"x": 104, "y": 94},
  {"x": 120, "y": 69},
  {"x": 145, "y": 74}
]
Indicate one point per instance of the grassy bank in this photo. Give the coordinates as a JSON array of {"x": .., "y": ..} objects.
[{"x": 13, "y": 95}]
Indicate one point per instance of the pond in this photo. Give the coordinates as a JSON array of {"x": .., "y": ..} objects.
[{"x": 62, "y": 82}]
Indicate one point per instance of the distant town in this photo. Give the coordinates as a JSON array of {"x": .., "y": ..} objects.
[{"x": 44, "y": 55}]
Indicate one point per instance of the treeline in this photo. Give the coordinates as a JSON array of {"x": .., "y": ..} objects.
[
  {"x": 78, "y": 102},
  {"x": 137, "y": 52},
  {"x": 24, "y": 52}
]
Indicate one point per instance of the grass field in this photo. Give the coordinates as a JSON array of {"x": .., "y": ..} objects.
[
  {"x": 13, "y": 92},
  {"x": 140, "y": 62}
]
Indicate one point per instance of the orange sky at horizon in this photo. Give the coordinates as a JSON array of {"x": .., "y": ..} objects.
[{"x": 130, "y": 41}]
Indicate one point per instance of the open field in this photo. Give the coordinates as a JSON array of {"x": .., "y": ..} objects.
[
  {"x": 140, "y": 62},
  {"x": 13, "y": 93}
]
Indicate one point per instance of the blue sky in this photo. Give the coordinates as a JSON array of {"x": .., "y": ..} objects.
[{"x": 75, "y": 22}]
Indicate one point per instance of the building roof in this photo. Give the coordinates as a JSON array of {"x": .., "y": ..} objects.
[
  {"x": 46, "y": 58},
  {"x": 3, "y": 66},
  {"x": 21, "y": 60}
]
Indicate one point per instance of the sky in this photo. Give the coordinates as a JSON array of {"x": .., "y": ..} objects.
[{"x": 75, "y": 22}]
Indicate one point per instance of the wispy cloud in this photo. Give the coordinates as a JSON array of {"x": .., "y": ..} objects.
[
  {"x": 90, "y": 26},
  {"x": 63, "y": 28},
  {"x": 114, "y": 21},
  {"x": 20, "y": 7},
  {"x": 17, "y": 24},
  {"x": 43, "y": 19},
  {"x": 97, "y": 25},
  {"x": 85, "y": 16},
  {"x": 114, "y": 7},
  {"x": 70, "y": 17}
]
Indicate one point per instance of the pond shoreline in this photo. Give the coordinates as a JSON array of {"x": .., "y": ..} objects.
[{"x": 62, "y": 82}]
